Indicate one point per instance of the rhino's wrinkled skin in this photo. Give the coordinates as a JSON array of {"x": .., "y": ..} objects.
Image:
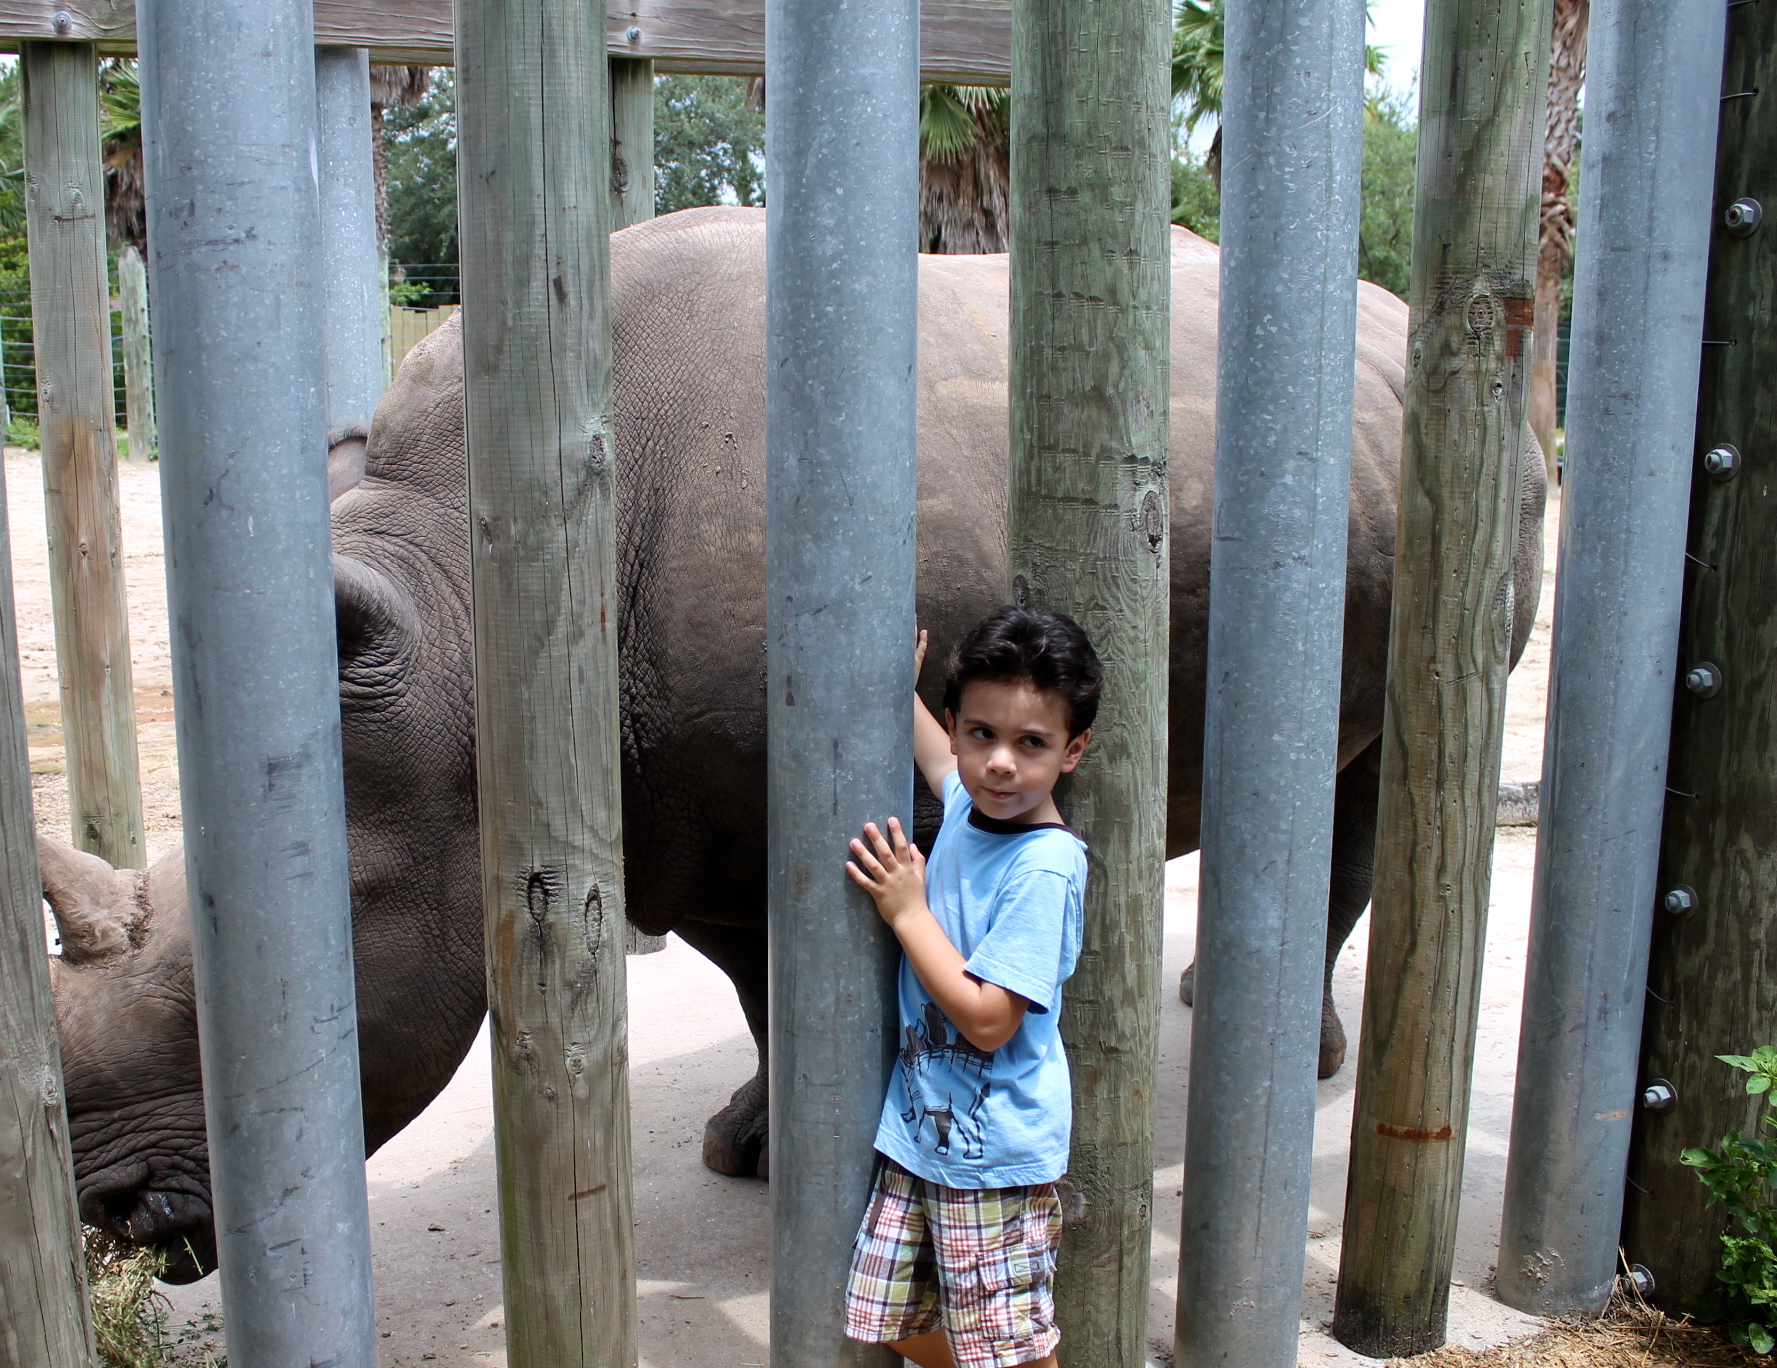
[{"x": 689, "y": 301}]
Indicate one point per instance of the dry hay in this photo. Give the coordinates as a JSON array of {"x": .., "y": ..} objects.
[{"x": 1630, "y": 1334}]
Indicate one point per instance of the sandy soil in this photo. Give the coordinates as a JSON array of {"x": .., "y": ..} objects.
[{"x": 702, "y": 1239}]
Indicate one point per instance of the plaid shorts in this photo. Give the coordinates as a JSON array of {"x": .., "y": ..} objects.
[{"x": 976, "y": 1262}]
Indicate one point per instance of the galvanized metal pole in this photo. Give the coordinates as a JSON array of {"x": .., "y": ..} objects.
[
  {"x": 842, "y": 305},
  {"x": 138, "y": 351},
  {"x": 351, "y": 293},
  {"x": 534, "y": 190},
  {"x": 1647, "y": 183},
  {"x": 76, "y": 407},
  {"x": 228, "y": 105},
  {"x": 45, "y": 1321},
  {"x": 1292, "y": 137}
]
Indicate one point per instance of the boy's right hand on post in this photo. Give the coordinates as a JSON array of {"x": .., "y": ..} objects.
[
  {"x": 919, "y": 654},
  {"x": 891, "y": 870}
]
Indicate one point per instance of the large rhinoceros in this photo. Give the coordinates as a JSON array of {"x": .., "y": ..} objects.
[{"x": 690, "y": 345}]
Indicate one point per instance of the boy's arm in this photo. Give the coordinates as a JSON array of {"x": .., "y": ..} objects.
[
  {"x": 931, "y": 743},
  {"x": 894, "y": 875}
]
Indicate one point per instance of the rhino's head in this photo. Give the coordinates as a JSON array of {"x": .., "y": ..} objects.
[{"x": 128, "y": 1019}]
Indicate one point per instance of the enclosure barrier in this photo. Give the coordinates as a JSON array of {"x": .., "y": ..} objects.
[
  {"x": 1485, "y": 80},
  {"x": 228, "y": 106},
  {"x": 351, "y": 268},
  {"x": 840, "y": 429},
  {"x": 71, "y": 318},
  {"x": 1090, "y": 339},
  {"x": 1292, "y": 138},
  {"x": 138, "y": 372},
  {"x": 1651, "y": 99},
  {"x": 1713, "y": 962},
  {"x": 45, "y": 1321},
  {"x": 534, "y": 159}
]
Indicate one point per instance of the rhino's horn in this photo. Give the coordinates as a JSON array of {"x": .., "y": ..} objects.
[{"x": 95, "y": 905}]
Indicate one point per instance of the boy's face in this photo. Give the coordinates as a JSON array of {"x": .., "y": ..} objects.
[{"x": 1011, "y": 746}]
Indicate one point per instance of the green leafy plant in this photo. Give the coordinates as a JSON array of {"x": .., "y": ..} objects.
[{"x": 1740, "y": 1176}]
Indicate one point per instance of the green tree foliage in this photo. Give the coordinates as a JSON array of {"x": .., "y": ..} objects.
[
  {"x": 420, "y": 143},
  {"x": 1385, "y": 223},
  {"x": 1196, "y": 200},
  {"x": 709, "y": 146}
]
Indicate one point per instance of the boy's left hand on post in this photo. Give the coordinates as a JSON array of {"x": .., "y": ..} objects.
[{"x": 890, "y": 869}]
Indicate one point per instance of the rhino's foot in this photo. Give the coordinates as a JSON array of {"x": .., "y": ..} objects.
[
  {"x": 734, "y": 1139},
  {"x": 1332, "y": 1038},
  {"x": 1332, "y": 1030}
]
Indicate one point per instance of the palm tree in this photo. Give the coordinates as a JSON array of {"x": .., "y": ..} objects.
[
  {"x": 964, "y": 168},
  {"x": 391, "y": 87},
  {"x": 1567, "y": 73},
  {"x": 120, "y": 147}
]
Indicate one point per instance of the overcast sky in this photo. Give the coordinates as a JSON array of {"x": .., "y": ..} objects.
[{"x": 1396, "y": 27}]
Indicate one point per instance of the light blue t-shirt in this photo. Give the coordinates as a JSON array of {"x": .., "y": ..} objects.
[{"x": 1009, "y": 898}]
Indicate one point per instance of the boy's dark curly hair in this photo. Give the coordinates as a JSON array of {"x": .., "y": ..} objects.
[{"x": 1048, "y": 649}]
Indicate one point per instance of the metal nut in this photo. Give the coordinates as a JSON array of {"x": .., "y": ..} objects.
[
  {"x": 634, "y": 35},
  {"x": 1642, "y": 1279},
  {"x": 1680, "y": 900},
  {"x": 1743, "y": 216},
  {"x": 1722, "y": 462},
  {"x": 63, "y": 21},
  {"x": 1703, "y": 680},
  {"x": 1659, "y": 1096}
]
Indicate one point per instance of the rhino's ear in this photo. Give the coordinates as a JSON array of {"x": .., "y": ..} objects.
[
  {"x": 345, "y": 459},
  {"x": 95, "y": 906},
  {"x": 374, "y": 615}
]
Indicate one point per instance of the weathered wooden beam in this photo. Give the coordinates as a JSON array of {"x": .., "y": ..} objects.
[
  {"x": 1464, "y": 433},
  {"x": 138, "y": 374},
  {"x": 44, "y": 1321},
  {"x": 1090, "y": 342},
  {"x": 71, "y": 308},
  {"x": 968, "y": 42},
  {"x": 535, "y": 201},
  {"x": 1712, "y": 979}
]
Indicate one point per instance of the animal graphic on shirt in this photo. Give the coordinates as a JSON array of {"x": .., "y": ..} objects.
[{"x": 939, "y": 1070}]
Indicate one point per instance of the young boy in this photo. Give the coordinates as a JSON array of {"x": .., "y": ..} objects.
[{"x": 952, "y": 1265}]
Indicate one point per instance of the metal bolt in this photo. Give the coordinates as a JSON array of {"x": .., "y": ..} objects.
[
  {"x": 1642, "y": 1279},
  {"x": 1722, "y": 462},
  {"x": 63, "y": 21},
  {"x": 1680, "y": 901},
  {"x": 1659, "y": 1096},
  {"x": 634, "y": 35},
  {"x": 1743, "y": 217},
  {"x": 1703, "y": 680}
]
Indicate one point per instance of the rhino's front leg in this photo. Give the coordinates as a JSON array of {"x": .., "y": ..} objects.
[{"x": 734, "y": 1140}]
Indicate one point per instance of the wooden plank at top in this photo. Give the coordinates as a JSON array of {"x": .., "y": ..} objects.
[{"x": 968, "y": 42}]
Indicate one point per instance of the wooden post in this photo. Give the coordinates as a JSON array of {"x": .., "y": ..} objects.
[
  {"x": 632, "y": 142},
  {"x": 632, "y": 201},
  {"x": 71, "y": 319},
  {"x": 1714, "y": 963},
  {"x": 44, "y": 1318},
  {"x": 1090, "y": 338},
  {"x": 534, "y": 178},
  {"x": 138, "y": 369},
  {"x": 1464, "y": 437}
]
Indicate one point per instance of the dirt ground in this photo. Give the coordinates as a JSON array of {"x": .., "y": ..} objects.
[{"x": 701, "y": 1238}]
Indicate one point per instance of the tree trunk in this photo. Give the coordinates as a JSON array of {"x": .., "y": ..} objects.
[{"x": 1567, "y": 73}]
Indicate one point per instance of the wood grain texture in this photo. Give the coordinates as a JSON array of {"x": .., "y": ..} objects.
[
  {"x": 71, "y": 306},
  {"x": 43, "y": 1307},
  {"x": 535, "y": 196},
  {"x": 1712, "y": 978},
  {"x": 138, "y": 367},
  {"x": 1464, "y": 436},
  {"x": 1090, "y": 341},
  {"x": 966, "y": 42}
]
